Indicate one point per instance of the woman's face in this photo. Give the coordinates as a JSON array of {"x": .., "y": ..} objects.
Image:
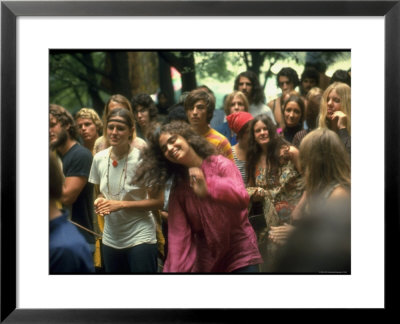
[
  {"x": 292, "y": 114},
  {"x": 333, "y": 103},
  {"x": 236, "y": 105},
  {"x": 118, "y": 132},
  {"x": 261, "y": 134},
  {"x": 174, "y": 147}
]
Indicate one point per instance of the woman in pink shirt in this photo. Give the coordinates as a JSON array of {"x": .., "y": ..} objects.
[{"x": 208, "y": 227}]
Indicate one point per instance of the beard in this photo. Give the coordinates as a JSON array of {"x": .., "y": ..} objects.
[{"x": 60, "y": 141}]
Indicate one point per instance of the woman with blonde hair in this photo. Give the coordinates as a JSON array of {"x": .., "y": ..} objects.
[
  {"x": 116, "y": 101},
  {"x": 321, "y": 153},
  {"x": 326, "y": 169},
  {"x": 320, "y": 240},
  {"x": 335, "y": 113},
  {"x": 234, "y": 102}
]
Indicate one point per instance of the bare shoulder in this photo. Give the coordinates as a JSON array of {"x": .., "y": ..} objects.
[
  {"x": 293, "y": 153},
  {"x": 340, "y": 192}
]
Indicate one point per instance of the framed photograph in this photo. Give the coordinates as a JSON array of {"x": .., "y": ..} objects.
[{"x": 30, "y": 28}]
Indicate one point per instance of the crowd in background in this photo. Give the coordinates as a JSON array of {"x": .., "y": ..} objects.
[{"x": 254, "y": 187}]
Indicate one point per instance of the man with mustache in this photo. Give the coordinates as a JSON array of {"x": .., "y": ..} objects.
[
  {"x": 248, "y": 83},
  {"x": 199, "y": 107},
  {"x": 77, "y": 193}
]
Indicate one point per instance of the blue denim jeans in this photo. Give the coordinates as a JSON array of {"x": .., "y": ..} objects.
[{"x": 137, "y": 259}]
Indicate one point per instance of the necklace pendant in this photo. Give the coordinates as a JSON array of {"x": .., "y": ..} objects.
[{"x": 115, "y": 163}]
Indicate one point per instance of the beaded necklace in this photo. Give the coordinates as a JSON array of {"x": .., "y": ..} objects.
[{"x": 120, "y": 189}]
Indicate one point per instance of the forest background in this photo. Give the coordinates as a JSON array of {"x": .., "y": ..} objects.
[{"x": 87, "y": 78}]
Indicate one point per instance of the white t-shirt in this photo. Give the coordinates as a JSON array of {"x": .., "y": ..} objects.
[{"x": 124, "y": 228}]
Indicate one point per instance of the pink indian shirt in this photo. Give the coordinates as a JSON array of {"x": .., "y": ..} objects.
[{"x": 211, "y": 234}]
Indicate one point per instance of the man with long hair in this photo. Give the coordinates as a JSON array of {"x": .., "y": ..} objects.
[{"x": 248, "y": 83}]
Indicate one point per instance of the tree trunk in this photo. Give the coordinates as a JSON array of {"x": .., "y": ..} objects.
[
  {"x": 143, "y": 72},
  {"x": 166, "y": 85},
  {"x": 117, "y": 69}
]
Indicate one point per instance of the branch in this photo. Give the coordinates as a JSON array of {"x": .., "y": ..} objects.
[
  {"x": 172, "y": 60},
  {"x": 89, "y": 66}
]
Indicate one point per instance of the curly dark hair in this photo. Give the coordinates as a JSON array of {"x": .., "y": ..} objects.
[
  {"x": 155, "y": 169},
  {"x": 254, "y": 151},
  {"x": 341, "y": 76},
  {"x": 257, "y": 92},
  {"x": 291, "y": 74},
  {"x": 144, "y": 100},
  {"x": 310, "y": 73}
]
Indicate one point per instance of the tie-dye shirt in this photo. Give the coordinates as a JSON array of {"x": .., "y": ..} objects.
[{"x": 220, "y": 142}]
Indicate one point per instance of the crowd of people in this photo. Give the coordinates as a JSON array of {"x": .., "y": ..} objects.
[{"x": 147, "y": 188}]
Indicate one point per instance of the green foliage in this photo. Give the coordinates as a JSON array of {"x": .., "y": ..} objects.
[
  {"x": 214, "y": 65},
  {"x": 71, "y": 75}
]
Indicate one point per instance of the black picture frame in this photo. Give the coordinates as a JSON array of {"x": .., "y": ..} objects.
[{"x": 10, "y": 10}]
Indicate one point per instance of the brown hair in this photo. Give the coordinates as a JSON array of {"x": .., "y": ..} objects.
[
  {"x": 65, "y": 118},
  {"x": 200, "y": 94}
]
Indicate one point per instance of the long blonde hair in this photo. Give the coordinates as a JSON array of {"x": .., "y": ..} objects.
[
  {"x": 344, "y": 92},
  {"x": 324, "y": 161}
]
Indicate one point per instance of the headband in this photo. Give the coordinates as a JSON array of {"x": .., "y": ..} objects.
[{"x": 118, "y": 121}]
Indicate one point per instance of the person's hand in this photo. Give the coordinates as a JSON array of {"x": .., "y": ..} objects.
[
  {"x": 280, "y": 234},
  {"x": 164, "y": 214},
  {"x": 198, "y": 182},
  {"x": 104, "y": 207},
  {"x": 341, "y": 119},
  {"x": 258, "y": 195}
]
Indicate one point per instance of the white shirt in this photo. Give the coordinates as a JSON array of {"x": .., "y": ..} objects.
[
  {"x": 260, "y": 108},
  {"x": 124, "y": 228}
]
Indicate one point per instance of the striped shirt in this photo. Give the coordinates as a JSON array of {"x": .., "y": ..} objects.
[
  {"x": 220, "y": 142},
  {"x": 241, "y": 165}
]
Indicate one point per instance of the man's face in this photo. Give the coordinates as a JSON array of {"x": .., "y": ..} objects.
[
  {"x": 87, "y": 129},
  {"x": 245, "y": 86},
  {"x": 142, "y": 116},
  {"x": 307, "y": 84},
  {"x": 58, "y": 135},
  {"x": 197, "y": 115},
  {"x": 285, "y": 85}
]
